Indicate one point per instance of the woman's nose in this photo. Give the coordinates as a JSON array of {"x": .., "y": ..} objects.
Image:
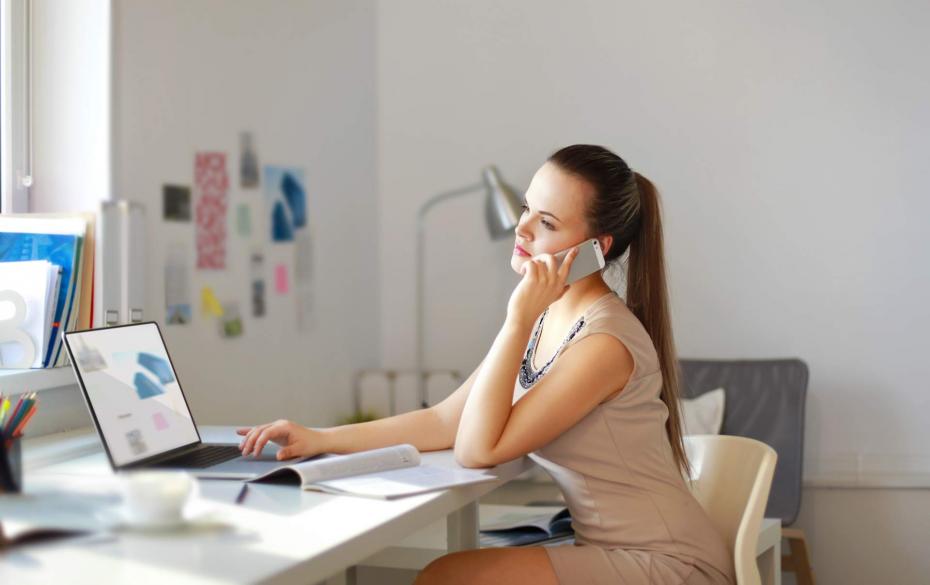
[{"x": 521, "y": 231}]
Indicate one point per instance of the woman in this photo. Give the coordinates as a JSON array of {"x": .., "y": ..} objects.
[{"x": 580, "y": 380}]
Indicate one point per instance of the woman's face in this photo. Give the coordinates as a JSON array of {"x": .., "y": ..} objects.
[{"x": 553, "y": 214}]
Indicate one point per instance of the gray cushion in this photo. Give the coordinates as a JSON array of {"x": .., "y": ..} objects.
[{"x": 764, "y": 401}]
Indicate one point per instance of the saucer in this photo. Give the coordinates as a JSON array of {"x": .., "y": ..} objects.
[{"x": 121, "y": 519}]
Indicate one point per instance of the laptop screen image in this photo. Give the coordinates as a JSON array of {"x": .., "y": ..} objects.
[{"x": 133, "y": 391}]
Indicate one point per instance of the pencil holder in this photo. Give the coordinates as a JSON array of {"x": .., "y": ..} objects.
[{"x": 11, "y": 466}]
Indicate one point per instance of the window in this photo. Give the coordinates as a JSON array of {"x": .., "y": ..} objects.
[{"x": 15, "y": 109}]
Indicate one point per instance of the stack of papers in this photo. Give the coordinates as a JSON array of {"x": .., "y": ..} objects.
[{"x": 46, "y": 278}]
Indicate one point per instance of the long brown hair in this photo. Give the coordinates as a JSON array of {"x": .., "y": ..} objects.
[{"x": 626, "y": 206}]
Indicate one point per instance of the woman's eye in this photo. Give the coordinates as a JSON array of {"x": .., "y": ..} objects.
[
  {"x": 524, "y": 208},
  {"x": 548, "y": 225}
]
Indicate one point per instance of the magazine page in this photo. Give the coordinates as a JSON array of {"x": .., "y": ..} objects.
[
  {"x": 337, "y": 466},
  {"x": 403, "y": 482}
]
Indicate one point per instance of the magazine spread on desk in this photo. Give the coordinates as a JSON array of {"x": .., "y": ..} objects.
[{"x": 390, "y": 472}]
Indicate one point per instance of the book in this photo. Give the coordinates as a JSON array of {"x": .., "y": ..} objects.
[
  {"x": 35, "y": 283},
  {"x": 61, "y": 250},
  {"x": 51, "y": 236},
  {"x": 388, "y": 473},
  {"x": 524, "y": 525}
]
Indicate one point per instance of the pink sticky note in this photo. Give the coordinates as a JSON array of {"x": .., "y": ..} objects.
[
  {"x": 160, "y": 422},
  {"x": 281, "y": 283}
]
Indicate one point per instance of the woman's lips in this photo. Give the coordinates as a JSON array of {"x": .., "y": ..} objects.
[{"x": 517, "y": 250}]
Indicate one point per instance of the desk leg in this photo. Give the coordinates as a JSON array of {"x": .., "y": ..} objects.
[
  {"x": 770, "y": 564},
  {"x": 462, "y": 528}
]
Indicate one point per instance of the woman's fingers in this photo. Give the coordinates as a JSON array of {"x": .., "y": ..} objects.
[
  {"x": 249, "y": 441},
  {"x": 567, "y": 264},
  {"x": 269, "y": 433}
]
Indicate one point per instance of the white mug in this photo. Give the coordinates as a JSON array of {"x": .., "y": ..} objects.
[{"x": 156, "y": 497}]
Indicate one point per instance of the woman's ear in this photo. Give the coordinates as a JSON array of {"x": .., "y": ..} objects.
[{"x": 605, "y": 242}]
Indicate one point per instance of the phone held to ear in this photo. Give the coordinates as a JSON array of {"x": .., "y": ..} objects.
[{"x": 589, "y": 260}]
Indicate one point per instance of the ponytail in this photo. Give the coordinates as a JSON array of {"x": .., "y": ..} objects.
[
  {"x": 647, "y": 298},
  {"x": 626, "y": 206}
]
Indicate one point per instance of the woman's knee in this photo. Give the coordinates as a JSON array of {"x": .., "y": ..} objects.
[{"x": 441, "y": 571}]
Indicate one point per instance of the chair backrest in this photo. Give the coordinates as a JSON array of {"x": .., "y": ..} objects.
[
  {"x": 764, "y": 401},
  {"x": 731, "y": 478}
]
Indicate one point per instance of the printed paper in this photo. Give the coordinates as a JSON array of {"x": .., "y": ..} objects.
[{"x": 211, "y": 183}]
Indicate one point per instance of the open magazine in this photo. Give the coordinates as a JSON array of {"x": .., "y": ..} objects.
[
  {"x": 390, "y": 472},
  {"x": 524, "y": 525}
]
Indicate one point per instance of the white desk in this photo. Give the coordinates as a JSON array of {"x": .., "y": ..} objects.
[{"x": 280, "y": 534}]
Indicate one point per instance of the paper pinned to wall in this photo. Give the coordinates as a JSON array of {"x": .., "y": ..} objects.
[
  {"x": 211, "y": 183},
  {"x": 176, "y": 203},
  {"x": 231, "y": 321},
  {"x": 286, "y": 202},
  {"x": 244, "y": 220},
  {"x": 303, "y": 279},
  {"x": 281, "y": 280},
  {"x": 248, "y": 161},
  {"x": 177, "y": 285},
  {"x": 257, "y": 276},
  {"x": 211, "y": 305}
]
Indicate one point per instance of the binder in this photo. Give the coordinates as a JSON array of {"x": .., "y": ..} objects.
[
  {"x": 132, "y": 269},
  {"x": 108, "y": 266}
]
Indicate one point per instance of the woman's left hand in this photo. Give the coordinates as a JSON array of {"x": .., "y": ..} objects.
[{"x": 543, "y": 283}]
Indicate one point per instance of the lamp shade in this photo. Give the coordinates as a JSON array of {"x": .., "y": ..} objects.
[{"x": 502, "y": 205}]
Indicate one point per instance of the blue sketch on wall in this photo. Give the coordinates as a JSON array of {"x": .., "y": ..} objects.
[
  {"x": 286, "y": 199},
  {"x": 281, "y": 230},
  {"x": 296, "y": 199}
]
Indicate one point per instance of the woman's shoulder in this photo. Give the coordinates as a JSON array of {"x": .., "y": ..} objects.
[{"x": 609, "y": 314}]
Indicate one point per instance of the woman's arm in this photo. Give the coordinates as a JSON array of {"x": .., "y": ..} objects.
[
  {"x": 492, "y": 430},
  {"x": 428, "y": 429}
]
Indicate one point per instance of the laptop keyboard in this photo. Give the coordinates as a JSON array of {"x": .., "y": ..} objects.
[{"x": 204, "y": 457}]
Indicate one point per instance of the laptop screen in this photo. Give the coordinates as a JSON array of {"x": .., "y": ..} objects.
[{"x": 132, "y": 390}]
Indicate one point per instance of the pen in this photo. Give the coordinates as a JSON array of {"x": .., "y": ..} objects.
[{"x": 242, "y": 493}]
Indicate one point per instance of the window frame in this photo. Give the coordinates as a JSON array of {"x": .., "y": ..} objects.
[{"x": 15, "y": 106}]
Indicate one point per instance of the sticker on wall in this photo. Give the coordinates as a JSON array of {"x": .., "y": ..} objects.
[
  {"x": 303, "y": 279},
  {"x": 244, "y": 220},
  {"x": 248, "y": 161},
  {"x": 211, "y": 305},
  {"x": 176, "y": 203},
  {"x": 282, "y": 283},
  {"x": 286, "y": 202},
  {"x": 211, "y": 184},
  {"x": 231, "y": 321},
  {"x": 177, "y": 285},
  {"x": 257, "y": 278}
]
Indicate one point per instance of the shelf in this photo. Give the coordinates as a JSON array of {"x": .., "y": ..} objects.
[{"x": 19, "y": 381}]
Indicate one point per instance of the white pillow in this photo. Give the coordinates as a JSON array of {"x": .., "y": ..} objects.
[{"x": 703, "y": 415}]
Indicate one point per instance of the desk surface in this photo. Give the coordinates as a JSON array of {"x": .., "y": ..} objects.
[{"x": 280, "y": 534}]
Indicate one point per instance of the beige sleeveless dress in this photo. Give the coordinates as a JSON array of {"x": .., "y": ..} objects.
[{"x": 634, "y": 518}]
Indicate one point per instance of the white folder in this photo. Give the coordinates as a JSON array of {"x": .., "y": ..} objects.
[
  {"x": 132, "y": 271},
  {"x": 108, "y": 266}
]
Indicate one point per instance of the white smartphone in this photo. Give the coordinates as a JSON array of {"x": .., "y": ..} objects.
[{"x": 589, "y": 260}]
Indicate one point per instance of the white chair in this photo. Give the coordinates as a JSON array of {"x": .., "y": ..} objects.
[{"x": 731, "y": 478}]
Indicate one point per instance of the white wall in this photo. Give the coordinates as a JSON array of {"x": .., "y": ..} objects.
[
  {"x": 788, "y": 140},
  {"x": 190, "y": 76}
]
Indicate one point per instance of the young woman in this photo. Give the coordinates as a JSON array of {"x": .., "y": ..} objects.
[{"x": 583, "y": 382}]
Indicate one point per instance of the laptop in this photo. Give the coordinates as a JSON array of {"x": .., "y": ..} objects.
[{"x": 140, "y": 411}]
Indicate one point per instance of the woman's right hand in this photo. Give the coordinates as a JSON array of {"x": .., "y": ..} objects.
[{"x": 295, "y": 440}]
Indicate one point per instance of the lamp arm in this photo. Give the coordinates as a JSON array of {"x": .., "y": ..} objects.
[{"x": 420, "y": 333}]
